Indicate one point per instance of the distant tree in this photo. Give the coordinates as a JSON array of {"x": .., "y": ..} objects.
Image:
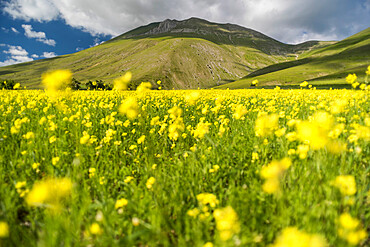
[
  {"x": 7, "y": 84},
  {"x": 98, "y": 85},
  {"x": 75, "y": 84}
]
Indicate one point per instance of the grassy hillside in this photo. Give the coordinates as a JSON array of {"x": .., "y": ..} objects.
[
  {"x": 327, "y": 65},
  {"x": 183, "y": 54}
]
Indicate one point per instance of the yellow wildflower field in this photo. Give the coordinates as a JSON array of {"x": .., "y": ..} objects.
[{"x": 184, "y": 168}]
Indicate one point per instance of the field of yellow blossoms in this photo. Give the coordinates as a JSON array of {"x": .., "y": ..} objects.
[{"x": 279, "y": 168}]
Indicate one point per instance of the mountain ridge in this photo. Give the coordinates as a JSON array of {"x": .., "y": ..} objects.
[{"x": 204, "y": 28}]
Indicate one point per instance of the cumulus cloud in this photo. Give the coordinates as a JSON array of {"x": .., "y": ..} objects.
[
  {"x": 48, "y": 54},
  {"x": 16, "y": 54},
  {"x": 286, "y": 20},
  {"x": 39, "y": 10},
  {"x": 39, "y": 36}
]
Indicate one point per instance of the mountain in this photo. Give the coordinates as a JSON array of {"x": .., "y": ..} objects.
[{"x": 185, "y": 54}]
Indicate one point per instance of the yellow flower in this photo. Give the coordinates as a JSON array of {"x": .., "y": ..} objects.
[
  {"x": 121, "y": 203},
  {"x": 346, "y": 221},
  {"x": 302, "y": 151},
  {"x": 141, "y": 139},
  {"x": 316, "y": 132},
  {"x": 255, "y": 157},
  {"x": 55, "y": 160},
  {"x": 254, "y": 82},
  {"x": 192, "y": 97},
  {"x": 292, "y": 237},
  {"x": 49, "y": 192},
  {"x": 122, "y": 82},
  {"x": 201, "y": 130},
  {"x": 355, "y": 84},
  {"x": 272, "y": 173},
  {"x": 338, "y": 106},
  {"x": 92, "y": 172},
  {"x": 35, "y": 165},
  {"x": 215, "y": 168},
  {"x": 21, "y": 188},
  {"x": 266, "y": 124},
  {"x": 350, "y": 229},
  {"x": 175, "y": 128},
  {"x": 271, "y": 185},
  {"x": 29, "y": 135},
  {"x": 42, "y": 120},
  {"x": 351, "y": 78},
  {"x": 85, "y": 138},
  {"x": 52, "y": 139},
  {"x": 128, "y": 179},
  {"x": 16, "y": 86},
  {"x": 303, "y": 84},
  {"x": 208, "y": 244},
  {"x": 175, "y": 112},
  {"x": 132, "y": 147},
  {"x": 207, "y": 199},
  {"x": 143, "y": 88},
  {"x": 280, "y": 132},
  {"x": 226, "y": 222},
  {"x": 4, "y": 229},
  {"x": 95, "y": 229},
  {"x": 275, "y": 168},
  {"x": 368, "y": 70},
  {"x": 130, "y": 108},
  {"x": 193, "y": 212},
  {"x": 346, "y": 184},
  {"x": 155, "y": 121},
  {"x": 150, "y": 182},
  {"x": 56, "y": 80},
  {"x": 239, "y": 112}
]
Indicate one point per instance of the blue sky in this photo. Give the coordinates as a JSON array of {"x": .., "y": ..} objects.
[
  {"x": 37, "y": 29},
  {"x": 22, "y": 41}
]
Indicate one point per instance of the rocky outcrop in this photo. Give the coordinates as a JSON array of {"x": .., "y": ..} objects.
[{"x": 163, "y": 27}]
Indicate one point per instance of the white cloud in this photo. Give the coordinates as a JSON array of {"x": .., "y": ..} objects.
[
  {"x": 16, "y": 55},
  {"x": 14, "y": 30},
  {"x": 48, "y": 41},
  {"x": 39, "y": 36},
  {"x": 285, "y": 20},
  {"x": 32, "y": 34},
  {"x": 39, "y": 10},
  {"x": 35, "y": 56},
  {"x": 48, "y": 54},
  {"x": 16, "y": 51}
]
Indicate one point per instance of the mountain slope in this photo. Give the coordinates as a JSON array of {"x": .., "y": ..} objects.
[
  {"x": 328, "y": 65},
  {"x": 183, "y": 54}
]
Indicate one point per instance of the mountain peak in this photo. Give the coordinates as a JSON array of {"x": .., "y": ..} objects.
[{"x": 196, "y": 26}]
